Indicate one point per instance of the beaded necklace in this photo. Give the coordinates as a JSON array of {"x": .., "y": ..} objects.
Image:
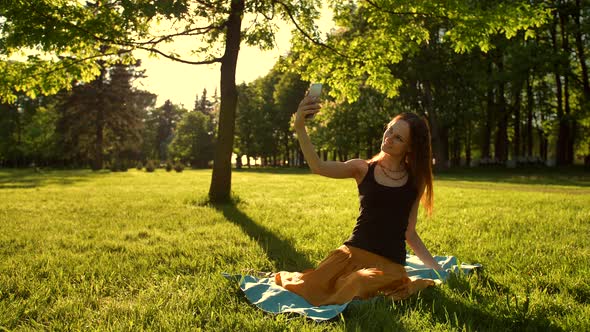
[{"x": 383, "y": 168}]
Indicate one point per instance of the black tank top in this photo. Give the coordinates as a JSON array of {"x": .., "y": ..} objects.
[{"x": 383, "y": 219}]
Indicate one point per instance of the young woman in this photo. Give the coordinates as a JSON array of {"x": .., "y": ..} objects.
[{"x": 391, "y": 186}]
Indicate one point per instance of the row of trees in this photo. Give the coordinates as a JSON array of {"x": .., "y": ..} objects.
[
  {"x": 105, "y": 122},
  {"x": 377, "y": 40},
  {"x": 487, "y": 106},
  {"x": 526, "y": 97}
]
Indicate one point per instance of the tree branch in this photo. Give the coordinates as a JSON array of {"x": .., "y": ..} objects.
[
  {"x": 189, "y": 32},
  {"x": 373, "y": 4},
  {"x": 205, "y": 4},
  {"x": 272, "y": 16},
  {"x": 64, "y": 65},
  {"x": 171, "y": 57},
  {"x": 152, "y": 42},
  {"x": 306, "y": 35}
]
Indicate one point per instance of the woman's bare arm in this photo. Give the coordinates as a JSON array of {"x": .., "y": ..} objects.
[
  {"x": 334, "y": 169},
  {"x": 414, "y": 240}
]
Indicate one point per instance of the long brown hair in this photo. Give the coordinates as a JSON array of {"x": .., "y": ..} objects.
[{"x": 419, "y": 159}]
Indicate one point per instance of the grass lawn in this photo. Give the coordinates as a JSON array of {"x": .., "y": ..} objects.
[{"x": 131, "y": 251}]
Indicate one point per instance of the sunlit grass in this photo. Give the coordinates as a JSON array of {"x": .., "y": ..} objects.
[{"x": 135, "y": 250}]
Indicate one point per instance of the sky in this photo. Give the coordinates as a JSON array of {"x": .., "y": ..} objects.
[{"x": 182, "y": 82}]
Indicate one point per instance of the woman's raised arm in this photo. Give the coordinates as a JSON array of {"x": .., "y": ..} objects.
[{"x": 334, "y": 169}]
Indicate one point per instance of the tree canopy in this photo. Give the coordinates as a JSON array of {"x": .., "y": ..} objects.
[{"x": 500, "y": 80}]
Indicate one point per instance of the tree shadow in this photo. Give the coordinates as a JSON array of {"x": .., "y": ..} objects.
[
  {"x": 31, "y": 178},
  {"x": 538, "y": 178},
  {"x": 470, "y": 310},
  {"x": 280, "y": 251},
  {"x": 564, "y": 176}
]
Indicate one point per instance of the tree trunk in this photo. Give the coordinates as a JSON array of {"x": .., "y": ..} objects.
[
  {"x": 487, "y": 134},
  {"x": 220, "y": 188},
  {"x": 468, "y": 144},
  {"x": 456, "y": 148},
  {"x": 566, "y": 122},
  {"x": 529, "y": 119},
  {"x": 543, "y": 143},
  {"x": 439, "y": 151},
  {"x": 97, "y": 163},
  {"x": 238, "y": 161},
  {"x": 584, "y": 66},
  {"x": 516, "y": 150},
  {"x": 501, "y": 147},
  {"x": 17, "y": 155},
  {"x": 444, "y": 148},
  {"x": 560, "y": 152},
  {"x": 581, "y": 54},
  {"x": 287, "y": 150}
]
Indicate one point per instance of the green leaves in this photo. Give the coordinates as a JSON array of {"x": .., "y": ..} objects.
[
  {"x": 72, "y": 36},
  {"x": 376, "y": 34}
]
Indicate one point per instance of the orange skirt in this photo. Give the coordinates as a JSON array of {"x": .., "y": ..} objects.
[{"x": 349, "y": 273}]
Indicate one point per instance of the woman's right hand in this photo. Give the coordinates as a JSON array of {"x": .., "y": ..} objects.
[{"x": 307, "y": 106}]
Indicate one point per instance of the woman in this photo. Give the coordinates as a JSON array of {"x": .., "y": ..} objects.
[{"x": 391, "y": 186}]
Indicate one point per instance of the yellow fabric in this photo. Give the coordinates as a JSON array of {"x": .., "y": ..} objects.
[{"x": 349, "y": 273}]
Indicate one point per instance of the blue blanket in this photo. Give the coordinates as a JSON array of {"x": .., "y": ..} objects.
[{"x": 266, "y": 295}]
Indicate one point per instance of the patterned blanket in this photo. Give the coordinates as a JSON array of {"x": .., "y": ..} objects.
[{"x": 262, "y": 291}]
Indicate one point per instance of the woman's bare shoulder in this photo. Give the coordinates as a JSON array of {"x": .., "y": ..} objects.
[{"x": 361, "y": 167}]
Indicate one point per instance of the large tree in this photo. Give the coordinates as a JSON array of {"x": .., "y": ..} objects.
[
  {"x": 80, "y": 34},
  {"x": 103, "y": 117},
  {"x": 192, "y": 142}
]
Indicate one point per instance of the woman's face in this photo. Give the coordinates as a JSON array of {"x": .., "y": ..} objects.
[{"x": 396, "y": 139}]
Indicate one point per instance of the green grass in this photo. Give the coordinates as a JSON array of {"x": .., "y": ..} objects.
[{"x": 135, "y": 250}]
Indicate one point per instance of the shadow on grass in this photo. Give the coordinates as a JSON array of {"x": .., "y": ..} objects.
[
  {"x": 280, "y": 251},
  {"x": 471, "y": 310},
  {"x": 564, "y": 176},
  {"x": 30, "y": 178},
  {"x": 535, "y": 176}
]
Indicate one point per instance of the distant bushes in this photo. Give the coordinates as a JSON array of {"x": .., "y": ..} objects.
[
  {"x": 178, "y": 167},
  {"x": 152, "y": 165},
  {"x": 117, "y": 165}
]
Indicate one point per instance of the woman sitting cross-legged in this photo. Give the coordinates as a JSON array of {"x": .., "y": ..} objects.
[{"x": 391, "y": 186}]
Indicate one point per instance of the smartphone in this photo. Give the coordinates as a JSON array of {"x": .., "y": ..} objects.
[{"x": 315, "y": 90}]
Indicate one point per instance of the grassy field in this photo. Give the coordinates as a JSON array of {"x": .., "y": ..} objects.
[{"x": 136, "y": 250}]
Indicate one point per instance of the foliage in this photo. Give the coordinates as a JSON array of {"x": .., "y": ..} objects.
[
  {"x": 27, "y": 132},
  {"x": 63, "y": 42},
  {"x": 193, "y": 141},
  {"x": 150, "y": 166},
  {"x": 178, "y": 167},
  {"x": 265, "y": 108},
  {"x": 105, "y": 117},
  {"x": 486, "y": 75},
  {"x": 160, "y": 124},
  {"x": 103, "y": 29},
  {"x": 373, "y": 35}
]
